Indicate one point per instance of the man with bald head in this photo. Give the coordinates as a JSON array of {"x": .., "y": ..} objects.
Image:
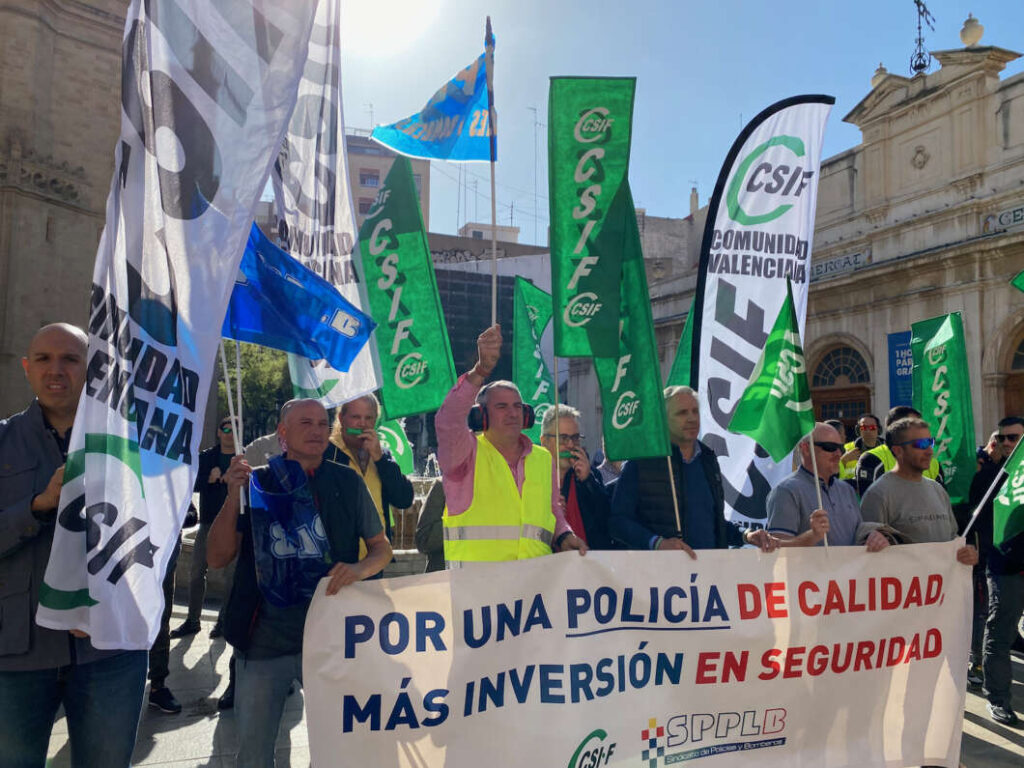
[
  {"x": 794, "y": 516},
  {"x": 40, "y": 669},
  {"x": 303, "y": 521}
]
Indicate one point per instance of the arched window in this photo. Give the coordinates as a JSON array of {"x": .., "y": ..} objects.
[
  {"x": 843, "y": 366},
  {"x": 1018, "y": 358}
]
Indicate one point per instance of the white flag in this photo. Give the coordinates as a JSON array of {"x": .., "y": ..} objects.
[
  {"x": 208, "y": 87},
  {"x": 314, "y": 201},
  {"x": 758, "y": 233}
]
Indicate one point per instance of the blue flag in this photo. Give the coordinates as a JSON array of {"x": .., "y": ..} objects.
[
  {"x": 456, "y": 124},
  {"x": 279, "y": 303}
]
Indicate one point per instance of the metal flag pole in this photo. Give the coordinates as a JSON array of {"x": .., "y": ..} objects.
[
  {"x": 489, "y": 63},
  {"x": 231, "y": 411},
  {"x": 817, "y": 482},
  {"x": 672, "y": 482}
]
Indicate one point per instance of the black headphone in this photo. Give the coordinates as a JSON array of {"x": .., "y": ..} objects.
[{"x": 476, "y": 420}]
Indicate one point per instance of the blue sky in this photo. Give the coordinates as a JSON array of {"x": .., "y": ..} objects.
[{"x": 701, "y": 68}]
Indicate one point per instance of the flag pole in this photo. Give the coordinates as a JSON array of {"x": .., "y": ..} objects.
[
  {"x": 238, "y": 394},
  {"x": 817, "y": 482},
  {"x": 991, "y": 489},
  {"x": 672, "y": 482},
  {"x": 492, "y": 132},
  {"x": 557, "y": 447},
  {"x": 231, "y": 410}
]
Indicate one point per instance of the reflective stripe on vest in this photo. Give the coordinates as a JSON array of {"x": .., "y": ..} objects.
[
  {"x": 884, "y": 452},
  {"x": 500, "y": 523}
]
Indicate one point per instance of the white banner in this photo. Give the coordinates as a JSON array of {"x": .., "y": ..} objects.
[
  {"x": 311, "y": 187},
  {"x": 207, "y": 90},
  {"x": 808, "y": 657},
  {"x": 759, "y": 231}
]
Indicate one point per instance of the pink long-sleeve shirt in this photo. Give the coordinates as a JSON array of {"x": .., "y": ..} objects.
[{"x": 456, "y": 454}]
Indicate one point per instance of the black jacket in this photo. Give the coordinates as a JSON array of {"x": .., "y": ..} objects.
[
  {"x": 395, "y": 488},
  {"x": 211, "y": 495},
  {"x": 594, "y": 507}
]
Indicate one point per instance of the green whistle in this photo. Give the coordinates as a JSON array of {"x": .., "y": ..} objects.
[
  {"x": 565, "y": 454},
  {"x": 351, "y": 431}
]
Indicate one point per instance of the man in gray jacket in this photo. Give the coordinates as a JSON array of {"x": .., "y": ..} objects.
[{"x": 40, "y": 669}]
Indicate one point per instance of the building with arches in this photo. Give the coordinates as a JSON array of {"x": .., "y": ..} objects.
[{"x": 924, "y": 217}]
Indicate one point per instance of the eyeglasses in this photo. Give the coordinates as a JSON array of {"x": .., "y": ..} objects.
[
  {"x": 1011, "y": 438},
  {"x": 921, "y": 443},
  {"x": 226, "y": 429},
  {"x": 567, "y": 438},
  {"x": 868, "y": 428},
  {"x": 828, "y": 446}
]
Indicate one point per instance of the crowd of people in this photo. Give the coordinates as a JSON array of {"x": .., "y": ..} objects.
[{"x": 319, "y": 491}]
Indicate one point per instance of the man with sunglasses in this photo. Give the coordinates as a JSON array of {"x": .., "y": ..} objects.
[
  {"x": 880, "y": 459},
  {"x": 583, "y": 494},
  {"x": 867, "y": 438},
  {"x": 908, "y": 501},
  {"x": 1004, "y": 582},
  {"x": 212, "y": 490},
  {"x": 793, "y": 513}
]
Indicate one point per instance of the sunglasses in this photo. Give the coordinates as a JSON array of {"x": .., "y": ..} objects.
[
  {"x": 1007, "y": 438},
  {"x": 921, "y": 443},
  {"x": 226, "y": 429},
  {"x": 868, "y": 428},
  {"x": 828, "y": 446}
]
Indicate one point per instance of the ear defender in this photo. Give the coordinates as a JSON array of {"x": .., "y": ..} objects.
[
  {"x": 529, "y": 416},
  {"x": 476, "y": 420}
]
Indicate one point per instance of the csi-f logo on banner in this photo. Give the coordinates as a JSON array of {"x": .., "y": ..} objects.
[
  {"x": 771, "y": 174},
  {"x": 595, "y": 750}
]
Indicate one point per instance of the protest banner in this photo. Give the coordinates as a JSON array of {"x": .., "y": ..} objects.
[
  {"x": 759, "y": 232},
  {"x": 802, "y": 657},
  {"x": 634, "y": 422},
  {"x": 398, "y": 277},
  {"x": 314, "y": 204},
  {"x": 589, "y": 129},
  {"x": 942, "y": 394},
  {"x": 207, "y": 90},
  {"x": 530, "y": 372}
]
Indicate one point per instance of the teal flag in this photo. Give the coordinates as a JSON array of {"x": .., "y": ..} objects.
[
  {"x": 398, "y": 275},
  {"x": 634, "y": 423},
  {"x": 776, "y": 409},
  {"x": 391, "y": 434},
  {"x": 942, "y": 393},
  {"x": 679, "y": 376},
  {"x": 589, "y": 123},
  {"x": 529, "y": 370},
  {"x": 1018, "y": 281},
  {"x": 1008, "y": 505}
]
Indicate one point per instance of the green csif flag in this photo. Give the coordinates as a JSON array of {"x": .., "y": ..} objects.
[
  {"x": 391, "y": 434},
  {"x": 1008, "y": 505},
  {"x": 529, "y": 370},
  {"x": 634, "y": 423},
  {"x": 775, "y": 408},
  {"x": 679, "y": 376},
  {"x": 942, "y": 393},
  {"x": 398, "y": 276},
  {"x": 589, "y": 123},
  {"x": 1018, "y": 281}
]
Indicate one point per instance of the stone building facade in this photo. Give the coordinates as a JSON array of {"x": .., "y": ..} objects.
[{"x": 924, "y": 217}]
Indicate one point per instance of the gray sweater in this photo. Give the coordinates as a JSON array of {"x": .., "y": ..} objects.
[{"x": 920, "y": 510}]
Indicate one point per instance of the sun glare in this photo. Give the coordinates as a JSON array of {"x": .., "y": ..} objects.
[{"x": 375, "y": 28}]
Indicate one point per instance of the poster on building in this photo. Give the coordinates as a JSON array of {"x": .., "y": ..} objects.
[
  {"x": 901, "y": 365},
  {"x": 758, "y": 234},
  {"x": 808, "y": 657}
]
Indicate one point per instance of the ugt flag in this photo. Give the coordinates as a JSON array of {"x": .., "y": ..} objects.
[
  {"x": 759, "y": 233},
  {"x": 776, "y": 408},
  {"x": 1008, "y": 505},
  {"x": 401, "y": 289},
  {"x": 458, "y": 123},
  {"x": 217, "y": 81},
  {"x": 589, "y": 125},
  {"x": 532, "y": 313},
  {"x": 279, "y": 303},
  {"x": 942, "y": 393},
  {"x": 315, "y": 205},
  {"x": 634, "y": 423}
]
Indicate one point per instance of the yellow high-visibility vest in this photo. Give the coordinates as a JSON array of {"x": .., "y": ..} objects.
[
  {"x": 501, "y": 523},
  {"x": 884, "y": 452}
]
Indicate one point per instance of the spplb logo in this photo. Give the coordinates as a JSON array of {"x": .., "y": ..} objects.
[
  {"x": 593, "y": 751},
  {"x": 777, "y": 174}
]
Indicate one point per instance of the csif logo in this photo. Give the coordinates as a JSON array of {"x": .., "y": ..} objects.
[
  {"x": 581, "y": 309},
  {"x": 593, "y": 125},
  {"x": 410, "y": 371},
  {"x": 593, "y": 751},
  {"x": 627, "y": 407},
  {"x": 781, "y": 178}
]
